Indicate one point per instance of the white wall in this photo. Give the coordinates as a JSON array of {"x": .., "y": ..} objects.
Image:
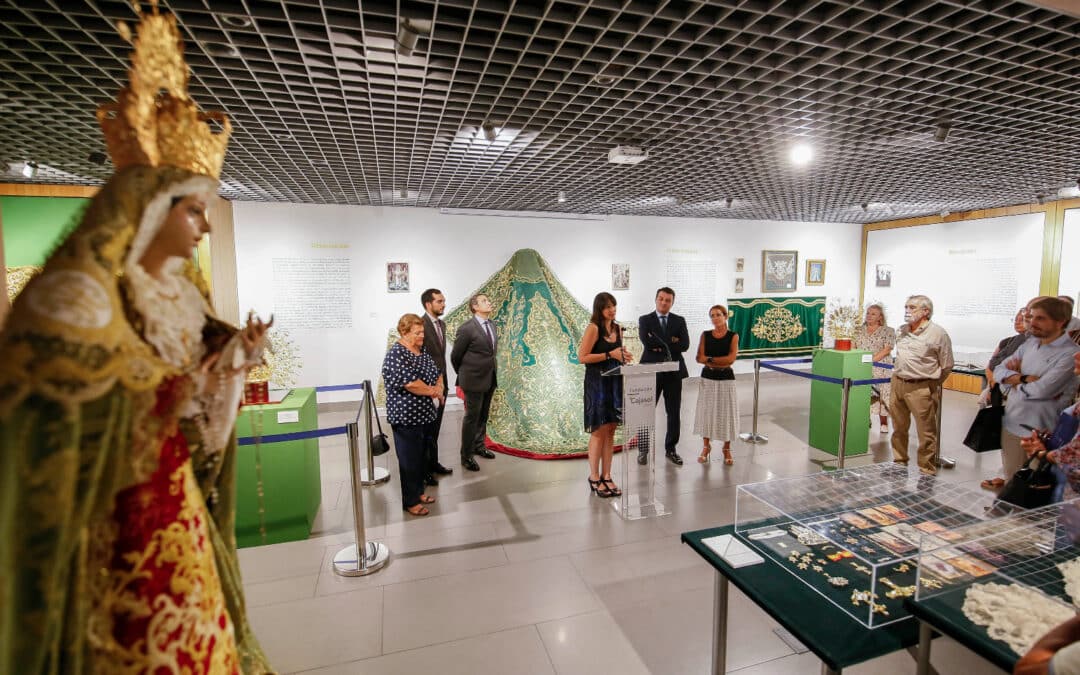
[
  {"x": 949, "y": 263},
  {"x": 458, "y": 253}
]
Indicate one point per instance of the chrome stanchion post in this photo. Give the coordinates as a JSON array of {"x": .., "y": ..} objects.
[
  {"x": 841, "y": 449},
  {"x": 363, "y": 557},
  {"x": 942, "y": 462},
  {"x": 754, "y": 436},
  {"x": 372, "y": 475}
]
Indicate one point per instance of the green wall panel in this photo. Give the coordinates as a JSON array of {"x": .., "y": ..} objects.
[{"x": 33, "y": 226}]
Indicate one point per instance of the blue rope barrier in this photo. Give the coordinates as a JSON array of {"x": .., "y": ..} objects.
[
  {"x": 293, "y": 436},
  {"x": 339, "y": 387},
  {"x": 771, "y": 365}
]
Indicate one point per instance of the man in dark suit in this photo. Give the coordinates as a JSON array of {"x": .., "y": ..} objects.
[
  {"x": 473, "y": 357},
  {"x": 665, "y": 338},
  {"x": 435, "y": 346}
]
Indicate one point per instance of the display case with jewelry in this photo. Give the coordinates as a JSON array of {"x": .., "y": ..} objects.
[
  {"x": 1010, "y": 579},
  {"x": 854, "y": 535}
]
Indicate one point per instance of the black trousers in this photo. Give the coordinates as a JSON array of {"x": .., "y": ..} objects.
[
  {"x": 410, "y": 443},
  {"x": 431, "y": 456},
  {"x": 669, "y": 385},
  {"x": 474, "y": 426}
]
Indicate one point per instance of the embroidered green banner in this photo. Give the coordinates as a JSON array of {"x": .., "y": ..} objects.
[{"x": 776, "y": 327}]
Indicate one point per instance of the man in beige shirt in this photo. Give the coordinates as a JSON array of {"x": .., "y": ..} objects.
[{"x": 923, "y": 361}]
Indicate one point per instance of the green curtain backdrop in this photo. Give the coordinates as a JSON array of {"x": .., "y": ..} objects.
[{"x": 776, "y": 327}]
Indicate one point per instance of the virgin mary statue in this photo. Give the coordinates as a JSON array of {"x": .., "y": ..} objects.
[{"x": 118, "y": 395}]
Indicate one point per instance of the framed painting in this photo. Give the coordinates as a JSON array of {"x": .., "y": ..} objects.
[
  {"x": 397, "y": 277},
  {"x": 620, "y": 277},
  {"x": 815, "y": 272},
  {"x": 779, "y": 271},
  {"x": 883, "y": 276}
]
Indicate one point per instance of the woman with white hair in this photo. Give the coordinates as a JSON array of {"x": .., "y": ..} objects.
[{"x": 875, "y": 336}]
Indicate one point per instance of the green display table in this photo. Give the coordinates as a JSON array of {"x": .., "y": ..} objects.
[
  {"x": 829, "y": 632},
  {"x": 825, "y": 400},
  {"x": 289, "y": 470}
]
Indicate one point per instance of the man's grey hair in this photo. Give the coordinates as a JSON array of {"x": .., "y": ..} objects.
[
  {"x": 922, "y": 302},
  {"x": 474, "y": 300}
]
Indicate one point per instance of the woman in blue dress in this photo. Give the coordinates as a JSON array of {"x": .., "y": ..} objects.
[{"x": 601, "y": 350}]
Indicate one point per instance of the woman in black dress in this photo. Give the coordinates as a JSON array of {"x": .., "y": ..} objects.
[{"x": 601, "y": 349}]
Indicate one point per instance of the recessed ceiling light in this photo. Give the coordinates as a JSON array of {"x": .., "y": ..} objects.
[
  {"x": 608, "y": 75},
  {"x": 220, "y": 49},
  {"x": 236, "y": 20},
  {"x": 801, "y": 154}
]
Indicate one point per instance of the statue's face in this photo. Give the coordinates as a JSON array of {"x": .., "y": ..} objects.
[{"x": 184, "y": 226}]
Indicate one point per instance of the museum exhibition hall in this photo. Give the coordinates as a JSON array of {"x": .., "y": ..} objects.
[{"x": 487, "y": 337}]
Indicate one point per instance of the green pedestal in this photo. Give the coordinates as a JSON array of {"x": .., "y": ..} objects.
[
  {"x": 291, "y": 481},
  {"x": 825, "y": 400}
]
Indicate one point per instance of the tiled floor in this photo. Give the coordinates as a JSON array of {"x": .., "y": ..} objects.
[{"x": 519, "y": 570}]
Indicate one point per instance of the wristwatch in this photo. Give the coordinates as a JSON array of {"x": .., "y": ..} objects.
[{"x": 1024, "y": 379}]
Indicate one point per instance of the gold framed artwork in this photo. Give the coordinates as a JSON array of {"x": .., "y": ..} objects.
[
  {"x": 815, "y": 272},
  {"x": 779, "y": 271}
]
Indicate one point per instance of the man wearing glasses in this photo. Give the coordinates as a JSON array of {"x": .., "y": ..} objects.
[{"x": 924, "y": 359}]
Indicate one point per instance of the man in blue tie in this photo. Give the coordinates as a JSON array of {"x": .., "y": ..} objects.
[
  {"x": 473, "y": 358},
  {"x": 665, "y": 338}
]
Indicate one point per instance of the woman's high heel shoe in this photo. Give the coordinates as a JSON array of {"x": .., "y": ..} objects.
[
  {"x": 728, "y": 461},
  {"x": 598, "y": 489},
  {"x": 613, "y": 490},
  {"x": 703, "y": 458}
]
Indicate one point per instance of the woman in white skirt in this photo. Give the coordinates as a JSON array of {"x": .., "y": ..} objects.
[{"x": 717, "y": 416}]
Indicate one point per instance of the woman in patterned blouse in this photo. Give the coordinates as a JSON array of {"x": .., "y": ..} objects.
[
  {"x": 1067, "y": 457},
  {"x": 413, "y": 389}
]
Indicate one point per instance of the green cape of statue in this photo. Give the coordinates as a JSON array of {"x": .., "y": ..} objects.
[{"x": 537, "y": 408}]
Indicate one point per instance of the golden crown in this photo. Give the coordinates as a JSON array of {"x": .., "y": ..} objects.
[{"x": 154, "y": 122}]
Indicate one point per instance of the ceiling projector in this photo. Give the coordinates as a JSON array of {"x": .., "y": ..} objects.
[{"x": 627, "y": 154}]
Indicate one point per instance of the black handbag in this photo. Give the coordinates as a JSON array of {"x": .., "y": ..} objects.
[
  {"x": 985, "y": 432},
  {"x": 380, "y": 445},
  {"x": 1030, "y": 487}
]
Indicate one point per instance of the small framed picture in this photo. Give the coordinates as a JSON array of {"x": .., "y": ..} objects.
[
  {"x": 779, "y": 271},
  {"x": 740, "y": 264},
  {"x": 815, "y": 272},
  {"x": 883, "y": 276},
  {"x": 620, "y": 277},
  {"x": 397, "y": 277},
  {"x": 738, "y": 284}
]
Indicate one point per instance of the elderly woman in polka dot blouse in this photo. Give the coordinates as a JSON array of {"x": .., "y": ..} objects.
[{"x": 413, "y": 389}]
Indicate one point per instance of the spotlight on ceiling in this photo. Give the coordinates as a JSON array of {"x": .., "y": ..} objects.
[
  {"x": 404, "y": 193},
  {"x": 608, "y": 75},
  {"x": 98, "y": 158},
  {"x": 490, "y": 132},
  {"x": 801, "y": 154},
  {"x": 407, "y": 35},
  {"x": 729, "y": 201},
  {"x": 562, "y": 197},
  {"x": 945, "y": 213},
  {"x": 1040, "y": 198},
  {"x": 29, "y": 170},
  {"x": 941, "y": 133},
  {"x": 865, "y": 206}
]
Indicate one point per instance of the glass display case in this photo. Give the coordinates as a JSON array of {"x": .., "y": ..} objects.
[
  {"x": 854, "y": 535},
  {"x": 1010, "y": 579}
]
